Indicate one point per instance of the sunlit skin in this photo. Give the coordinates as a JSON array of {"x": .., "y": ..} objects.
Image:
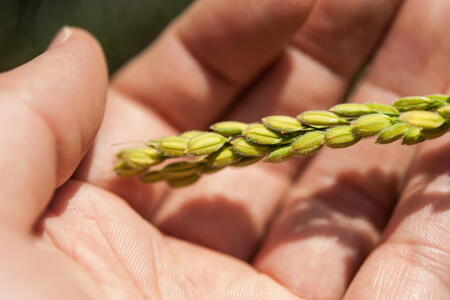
[{"x": 367, "y": 222}]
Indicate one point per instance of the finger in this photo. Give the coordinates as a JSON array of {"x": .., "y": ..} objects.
[
  {"x": 413, "y": 260},
  {"x": 230, "y": 211},
  {"x": 175, "y": 83},
  {"x": 50, "y": 110},
  {"x": 309, "y": 72},
  {"x": 195, "y": 69},
  {"x": 332, "y": 219}
]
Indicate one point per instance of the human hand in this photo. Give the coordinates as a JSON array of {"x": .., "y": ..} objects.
[{"x": 242, "y": 60}]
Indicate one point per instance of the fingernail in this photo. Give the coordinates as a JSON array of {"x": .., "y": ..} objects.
[{"x": 61, "y": 37}]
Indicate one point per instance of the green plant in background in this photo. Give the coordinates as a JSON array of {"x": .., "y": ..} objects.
[
  {"x": 124, "y": 27},
  {"x": 279, "y": 138}
]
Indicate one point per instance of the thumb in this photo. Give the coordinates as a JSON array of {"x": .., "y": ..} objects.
[{"x": 50, "y": 110}]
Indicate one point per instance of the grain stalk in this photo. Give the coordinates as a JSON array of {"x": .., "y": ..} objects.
[{"x": 279, "y": 138}]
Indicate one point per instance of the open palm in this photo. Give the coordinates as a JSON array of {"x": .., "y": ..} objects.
[{"x": 323, "y": 230}]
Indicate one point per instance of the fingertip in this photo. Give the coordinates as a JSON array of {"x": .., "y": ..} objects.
[{"x": 83, "y": 46}]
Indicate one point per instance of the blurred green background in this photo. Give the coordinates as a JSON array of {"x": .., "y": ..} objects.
[{"x": 124, "y": 27}]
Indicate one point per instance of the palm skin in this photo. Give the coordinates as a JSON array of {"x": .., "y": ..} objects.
[{"x": 255, "y": 233}]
